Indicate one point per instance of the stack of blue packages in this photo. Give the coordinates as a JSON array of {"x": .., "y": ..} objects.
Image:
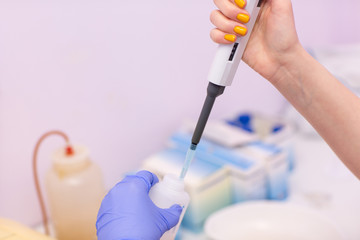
[{"x": 221, "y": 175}]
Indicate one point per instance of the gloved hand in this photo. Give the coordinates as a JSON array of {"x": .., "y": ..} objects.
[{"x": 127, "y": 211}]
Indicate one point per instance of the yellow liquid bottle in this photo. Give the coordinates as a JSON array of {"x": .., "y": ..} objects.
[{"x": 75, "y": 189}]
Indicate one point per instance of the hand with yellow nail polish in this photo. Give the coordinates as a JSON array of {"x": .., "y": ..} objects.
[
  {"x": 274, "y": 51},
  {"x": 273, "y": 38}
]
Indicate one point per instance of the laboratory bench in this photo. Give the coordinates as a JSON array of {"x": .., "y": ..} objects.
[{"x": 321, "y": 182}]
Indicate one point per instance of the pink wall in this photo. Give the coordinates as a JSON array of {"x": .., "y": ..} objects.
[{"x": 120, "y": 76}]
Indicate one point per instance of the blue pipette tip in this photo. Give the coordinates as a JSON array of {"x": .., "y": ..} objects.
[{"x": 188, "y": 159}]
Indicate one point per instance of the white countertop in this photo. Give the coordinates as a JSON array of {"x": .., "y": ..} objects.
[{"x": 323, "y": 183}]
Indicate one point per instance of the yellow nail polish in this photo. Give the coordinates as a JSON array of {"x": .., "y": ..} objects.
[
  {"x": 243, "y": 17},
  {"x": 240, "y": 30},
  {"x": 240, "y": 3},
  {"x": 230, "y": 37}
]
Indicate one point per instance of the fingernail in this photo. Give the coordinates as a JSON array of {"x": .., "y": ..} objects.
[
  {"x": 240, "y": 3},
  {"x": 243, "y": 17},
  {"x": 230, "y": 37},
  {"x": 240, "y": 30}
]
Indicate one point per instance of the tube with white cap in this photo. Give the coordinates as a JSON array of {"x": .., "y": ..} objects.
[{"x": 222, "y": 72}]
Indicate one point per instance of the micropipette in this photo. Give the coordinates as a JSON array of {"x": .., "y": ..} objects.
[{"x": 222, "y": 72}]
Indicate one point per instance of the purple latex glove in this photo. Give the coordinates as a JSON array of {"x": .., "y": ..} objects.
[{"x": 127, "y": 211}]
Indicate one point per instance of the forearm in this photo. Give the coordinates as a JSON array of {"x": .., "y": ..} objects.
[{"x": 329, "y": 106}]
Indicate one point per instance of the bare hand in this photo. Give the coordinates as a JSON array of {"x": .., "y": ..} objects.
[{"x": 273, "y": 41}]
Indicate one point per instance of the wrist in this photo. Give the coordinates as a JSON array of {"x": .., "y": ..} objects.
[
  {"x": 289, "y": 65},
  {"x": 298, "y": 77}
]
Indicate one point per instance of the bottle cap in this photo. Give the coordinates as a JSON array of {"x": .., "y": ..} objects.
[{"x": 65, "y": 162}]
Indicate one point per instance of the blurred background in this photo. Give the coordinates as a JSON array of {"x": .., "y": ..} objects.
[{"x": 120, "y": 77}]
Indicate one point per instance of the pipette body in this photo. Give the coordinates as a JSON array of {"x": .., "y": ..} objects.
[
  {"x": 221, "y": 75},
  {"x": 223, "y": 69}
]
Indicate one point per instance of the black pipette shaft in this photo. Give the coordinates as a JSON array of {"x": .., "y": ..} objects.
[{"x": 213, "y": 91}]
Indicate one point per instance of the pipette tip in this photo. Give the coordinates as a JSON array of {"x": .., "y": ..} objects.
[{"x": 188, "y": 159}]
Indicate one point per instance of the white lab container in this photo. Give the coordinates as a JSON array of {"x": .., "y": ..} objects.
[
  {"x": 75, "y": 189},
  {"x": 168, "y": 192}
]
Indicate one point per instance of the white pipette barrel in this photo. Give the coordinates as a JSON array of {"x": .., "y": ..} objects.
[
  {"x": 223, "y": 69},
  {"x": 221, "y": 75},
  {"x": 228, "y": 56}
]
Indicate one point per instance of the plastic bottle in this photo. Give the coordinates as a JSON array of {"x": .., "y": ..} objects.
[
  {"x": 75, "y": 189},
  {"x": 166, "y": 193}
]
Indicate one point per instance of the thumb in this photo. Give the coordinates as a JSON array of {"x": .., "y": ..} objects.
[{"x": 171, "y": 215}]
